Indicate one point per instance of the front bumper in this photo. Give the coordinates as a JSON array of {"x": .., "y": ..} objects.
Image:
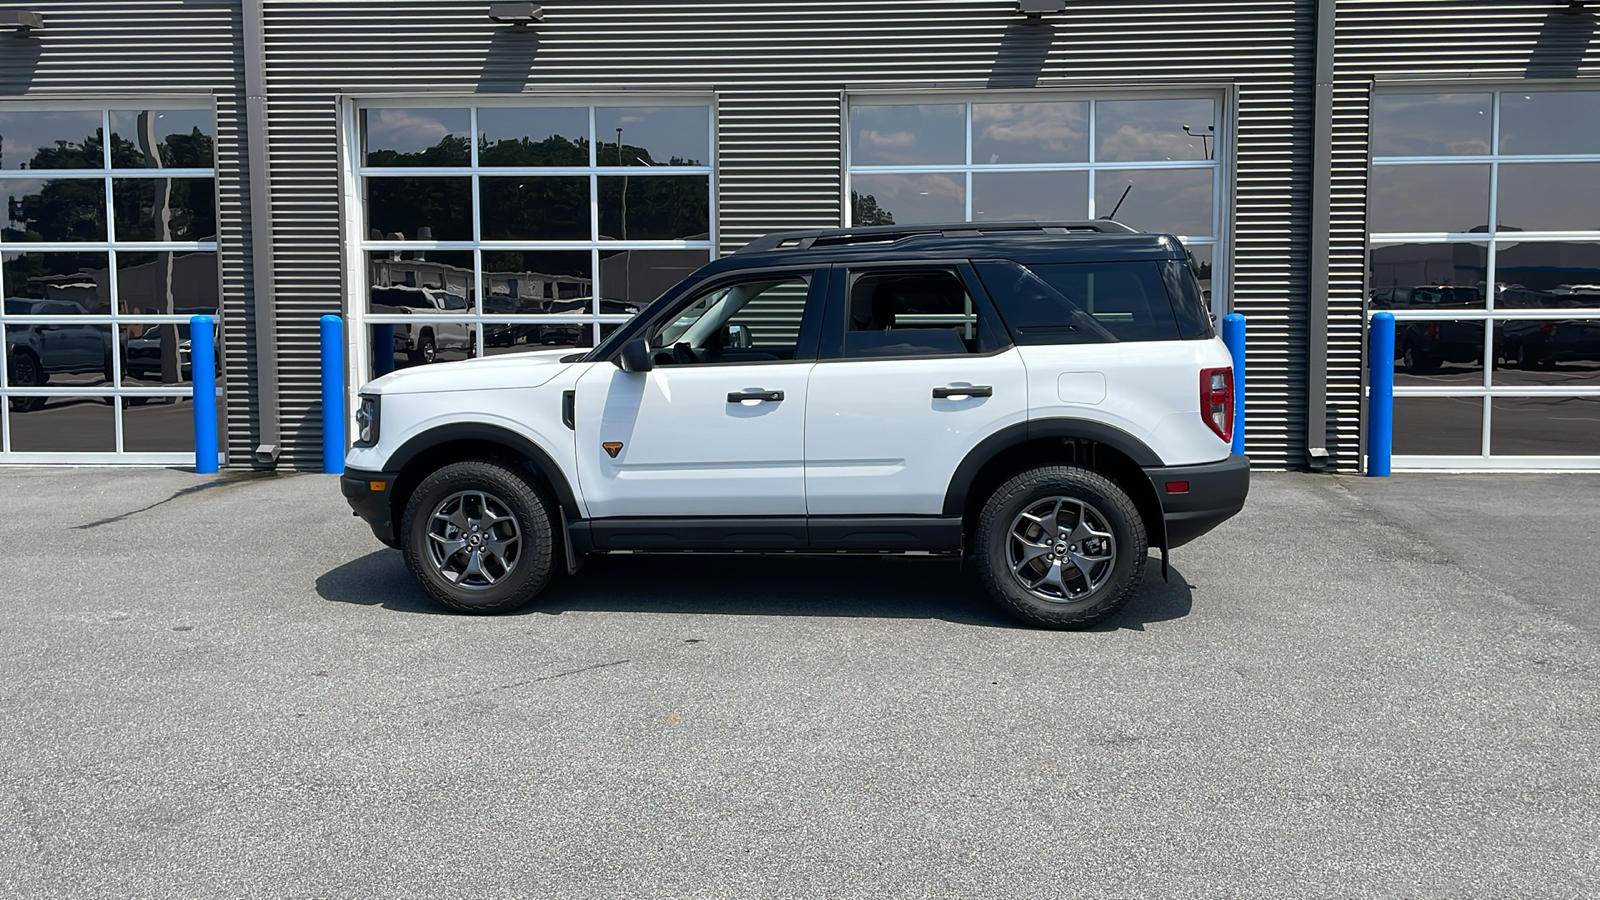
[
  {"x": 369, "y": 494},
  {"x": 1196, "y": 499}
]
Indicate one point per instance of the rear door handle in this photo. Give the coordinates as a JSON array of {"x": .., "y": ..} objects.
[
  {"x": 975, "y": 390},
  {"x": 741, "y": 396}
]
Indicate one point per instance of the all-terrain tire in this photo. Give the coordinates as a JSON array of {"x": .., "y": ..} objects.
[
  {"x": 1091, "y": 500},
  {"x": 487, "y": 493}
]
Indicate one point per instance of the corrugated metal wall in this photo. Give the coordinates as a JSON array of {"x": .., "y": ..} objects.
[
  {"x": 1499, "y": 40},
  {"x": 779, "y": 69},
  {"x": 92, "y": 49}
]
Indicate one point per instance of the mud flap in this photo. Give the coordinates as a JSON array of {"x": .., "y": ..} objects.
[
  {"x": 1159, "y": 539},
  {"x": 574, "y": 560}
]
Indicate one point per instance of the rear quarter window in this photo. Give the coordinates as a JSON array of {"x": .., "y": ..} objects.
[
  {"x": 1095, "y": 302},
  {"x": 1128, "y": 299}
]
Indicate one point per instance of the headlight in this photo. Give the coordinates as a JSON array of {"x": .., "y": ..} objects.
[{"x": 367, "y": 422}]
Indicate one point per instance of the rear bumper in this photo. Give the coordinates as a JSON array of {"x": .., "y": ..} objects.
[
  {"x": 371, "y": 505},
  {"x": 1215, "y": 493}
]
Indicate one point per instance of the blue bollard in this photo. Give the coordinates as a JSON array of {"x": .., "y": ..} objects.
[
  {"x": 1380, "y": 399},
  {"x": 332, "y": 395},
  {"x": 203, "y": 380},
  {"x": 1233, "y": 336},
  {"x": 382, "y": 350}
]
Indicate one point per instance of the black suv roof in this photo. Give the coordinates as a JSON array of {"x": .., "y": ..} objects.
[{"x": 1024, "y": 241}]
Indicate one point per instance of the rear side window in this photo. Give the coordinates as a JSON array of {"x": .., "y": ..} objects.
[
  {"x": 910, "y": 313},
  {"x": 1128, "y": 299}
]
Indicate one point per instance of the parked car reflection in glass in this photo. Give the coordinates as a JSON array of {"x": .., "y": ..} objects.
[
  {"x": 1423, "y": 348},
  {"x": 35, "y": 353},
  {"x": 576, "y": 334},
  {"x": 1543, "y": 344},
  {"x": 504, "y": 334},
  {"x": 160, "y": 353},
  {"x": 431, "y": 339}
]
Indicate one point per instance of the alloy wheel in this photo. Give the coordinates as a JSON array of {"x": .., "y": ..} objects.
[
  {"x": 1061, "y": 549},
  {"x": 473, "y": 540}
]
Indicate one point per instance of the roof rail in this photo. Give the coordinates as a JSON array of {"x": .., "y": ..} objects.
[{"x": 877, "y": 234}]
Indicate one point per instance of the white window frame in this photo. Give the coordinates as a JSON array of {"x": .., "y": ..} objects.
[
  {"x": 1221, "y": 161},
  {"x": 355, "y": 230},
  {"x": 111, "y": 246},
  {"x": 1486, "y": 392}
]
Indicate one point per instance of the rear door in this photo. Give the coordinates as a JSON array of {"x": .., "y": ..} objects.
[{"x": 915, "y": 369}]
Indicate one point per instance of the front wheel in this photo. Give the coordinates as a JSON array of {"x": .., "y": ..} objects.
[
  {"x": 477, "y": 537},
  {"x": 1061, "y": 547},
  {"x": 26, "y": 372}
]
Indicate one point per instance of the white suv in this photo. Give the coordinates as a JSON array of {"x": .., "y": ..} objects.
[{"x": 1048, "y": 398}]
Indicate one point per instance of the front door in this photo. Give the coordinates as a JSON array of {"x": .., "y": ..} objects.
[
  {"x": 915, "y": 371},
  {"x": 716, "y": 427}
]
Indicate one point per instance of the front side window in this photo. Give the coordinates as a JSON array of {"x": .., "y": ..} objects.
[{"x": 749, "y": 321}]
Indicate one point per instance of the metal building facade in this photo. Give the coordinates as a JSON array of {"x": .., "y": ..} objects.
[{"x": 781, "y": 74}]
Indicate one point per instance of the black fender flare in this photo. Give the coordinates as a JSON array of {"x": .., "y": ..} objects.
[
  {"x": 479, "y": 431},
  {"x": 955, "y": 498}
]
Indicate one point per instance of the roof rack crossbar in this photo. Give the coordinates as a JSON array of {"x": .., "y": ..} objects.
[{"x": 836, "y": 237}]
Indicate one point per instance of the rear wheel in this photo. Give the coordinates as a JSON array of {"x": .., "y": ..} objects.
[
  {"x": 1530, "y": 359},
  {"x": 427, "y": 351},
  {"x": 477, "y": 537},
  {"x": 1418, "y": 363},
  {"x": 1061, "y": 547}
]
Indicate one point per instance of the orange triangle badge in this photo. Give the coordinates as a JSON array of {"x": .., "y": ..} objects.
[{"x": 612, "y": 448}]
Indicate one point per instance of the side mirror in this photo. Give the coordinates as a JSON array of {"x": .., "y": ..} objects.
[
  {"x": 635, "y": 356},
  {"x": 737, "y": 337}
]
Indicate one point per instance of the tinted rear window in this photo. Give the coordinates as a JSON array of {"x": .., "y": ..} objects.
[
  {"x": 1147, "y": 300},
  {"x": 1035, "y": 312},
  {"x": 1128, "y": 299}
]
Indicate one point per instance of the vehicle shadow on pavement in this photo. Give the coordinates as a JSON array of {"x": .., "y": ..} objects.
[{"x": 854, "y": 587}]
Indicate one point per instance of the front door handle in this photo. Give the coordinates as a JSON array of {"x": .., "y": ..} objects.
[
  {"x": 741, "y": 396},
  {"x": 973, "y": 390}
]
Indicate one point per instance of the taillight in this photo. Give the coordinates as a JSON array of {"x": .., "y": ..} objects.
[
  {"x": 1547, "y": 329},
  {"x": 1433, "y": 331},
  {"x": 1216, "y": 400}
]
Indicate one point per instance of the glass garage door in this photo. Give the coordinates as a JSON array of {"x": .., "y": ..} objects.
[
  {"x": 1484, "y": 221},
  {"x": 1148, "y": 159},
  {"x": 491, "y": 229},
  {"x": 108, "y": 244}
]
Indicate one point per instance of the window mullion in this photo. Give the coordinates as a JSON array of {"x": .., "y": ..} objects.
[
  {"x": 1094, "y": 114},
  {"x": 968, "y": 173}
]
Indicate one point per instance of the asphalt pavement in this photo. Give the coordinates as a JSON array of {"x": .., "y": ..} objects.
[{"x": 224, "y": 687}]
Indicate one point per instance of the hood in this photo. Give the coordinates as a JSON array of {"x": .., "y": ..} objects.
[{"x": 505, "y": 370}]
